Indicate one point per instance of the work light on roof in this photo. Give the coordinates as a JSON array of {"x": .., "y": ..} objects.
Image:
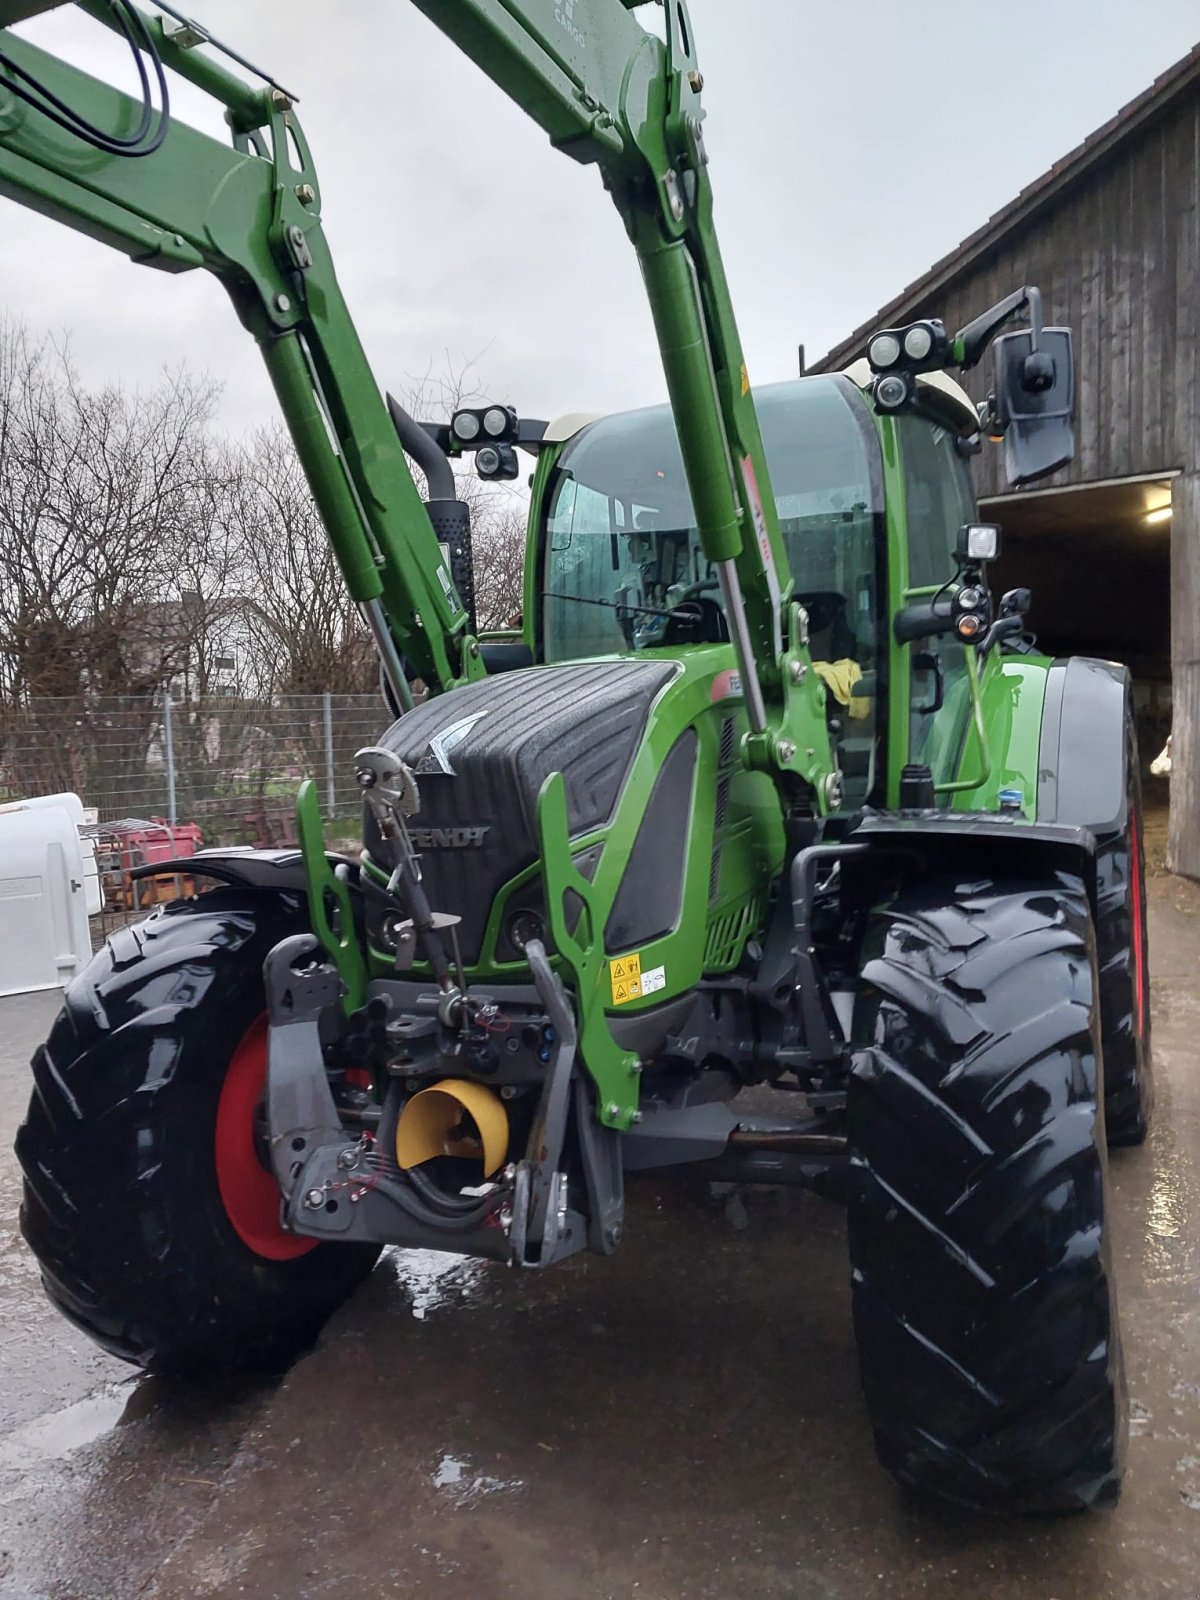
[
  {"x": 918, "y": 341},
  {"x": 883, "y": 351},
  {"x": 894, "y": 391}
]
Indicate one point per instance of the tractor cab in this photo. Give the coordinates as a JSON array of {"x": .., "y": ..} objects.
[{"x": 620, "y": 569}]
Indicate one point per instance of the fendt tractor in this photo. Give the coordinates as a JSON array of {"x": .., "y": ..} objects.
[{"x": 768, "y": 789}]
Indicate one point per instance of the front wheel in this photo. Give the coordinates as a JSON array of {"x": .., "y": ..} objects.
[
  {"x": 984, "y": 1305},
  {"x": 148, "y": 1200}
]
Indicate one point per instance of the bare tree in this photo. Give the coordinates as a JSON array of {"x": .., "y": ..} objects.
[
  {"x": 104, "y": 498},
  {"x": 499, "y": 551},
  {"x": 98, "y": 498},
  {"x": 303, "y": 633},
  {"x": 138, "y": 554}
]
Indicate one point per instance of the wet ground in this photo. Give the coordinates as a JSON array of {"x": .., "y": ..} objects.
[{"x": 679, "y": 1423}]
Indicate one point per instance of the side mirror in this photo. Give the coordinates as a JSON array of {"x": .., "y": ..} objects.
[{"x": 1034, "y": 402}]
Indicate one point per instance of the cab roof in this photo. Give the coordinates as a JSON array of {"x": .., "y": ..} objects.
[{"x": 953, "y": 400}]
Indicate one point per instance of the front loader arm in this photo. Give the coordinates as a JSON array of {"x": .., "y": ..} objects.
[
  {"x": 250, "y": 214},
  {"x": 606, "y": 91},
  {"x": 610, "y": 93}
]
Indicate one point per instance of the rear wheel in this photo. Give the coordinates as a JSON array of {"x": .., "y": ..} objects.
[
  {"x": 984, "y": 1306},
  {"x": 1123, "y": 956},
  {"x": 148, "y": 1199}
]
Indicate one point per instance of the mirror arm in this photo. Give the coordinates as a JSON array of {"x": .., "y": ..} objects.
[
  {"x": 1003, "y": 628},
  {"x": 923, "y": 619},
  {"x": 969, "y": 343}
]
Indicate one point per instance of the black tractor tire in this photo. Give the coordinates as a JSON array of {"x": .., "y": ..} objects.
[
  {"x": 1124, "y": 959},
  {"x": 150, "y": 1082},
  {"x": 983, "y": 1296}
]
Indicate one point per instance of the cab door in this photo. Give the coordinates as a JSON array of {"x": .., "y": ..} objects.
[{"x": 938, "y": 501}]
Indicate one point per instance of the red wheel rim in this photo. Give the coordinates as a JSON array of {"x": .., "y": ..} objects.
[
  {"x": 249, "y": 1193},
  {"x": 1139, "y": 926}
]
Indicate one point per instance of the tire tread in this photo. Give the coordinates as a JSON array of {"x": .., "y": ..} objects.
[
  {"x": 120, "y": 1201},
  {"x": 982, "y": 1286}
]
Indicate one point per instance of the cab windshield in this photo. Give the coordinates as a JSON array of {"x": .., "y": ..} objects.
[
  {"x": 624, "y": 571},
  {"x": 621, "y": 545}
]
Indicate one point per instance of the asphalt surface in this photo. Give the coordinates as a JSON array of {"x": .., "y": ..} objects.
[{"x": 678, "y": 1423}]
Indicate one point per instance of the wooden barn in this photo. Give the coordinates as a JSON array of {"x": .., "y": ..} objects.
[{"x": 1111, "y": 545}]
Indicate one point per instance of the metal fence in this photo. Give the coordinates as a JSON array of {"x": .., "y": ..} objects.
[{"x": 231, "y": 765}]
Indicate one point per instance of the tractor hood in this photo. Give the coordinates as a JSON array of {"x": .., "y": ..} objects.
[{"x": 481, "y": 754}]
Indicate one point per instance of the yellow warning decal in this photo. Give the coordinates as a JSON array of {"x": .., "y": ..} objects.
[
  {"x": 745, "y": 381},
  {"x": 625, "y": 974}
]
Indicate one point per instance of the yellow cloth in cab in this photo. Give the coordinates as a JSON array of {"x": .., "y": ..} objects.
[{"x": 839, "y": 677}]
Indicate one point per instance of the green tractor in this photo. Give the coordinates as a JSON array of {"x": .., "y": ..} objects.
[{"x": 768, "y": 789}]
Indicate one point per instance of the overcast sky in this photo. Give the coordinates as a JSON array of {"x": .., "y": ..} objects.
[{"x": 853, "y": 142}]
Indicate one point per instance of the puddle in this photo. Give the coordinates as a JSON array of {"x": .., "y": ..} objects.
[
  {"x": 454, "y": 1475},
  {"x": 450, "y": 1471},
  {"x": 1172, "y": 1203},
  {"x": 52, "y": 1437},
  {"x": 1167, "y": 1207},
  {"x": 434, "y": 1278}
]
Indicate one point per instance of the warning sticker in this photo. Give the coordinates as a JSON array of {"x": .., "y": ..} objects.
[
  {"x": 745, "y": 381},
  {"x": 654, "y": 978},
  {"x": 726, "y": 686},
  {"x": 625, "y": 974}
]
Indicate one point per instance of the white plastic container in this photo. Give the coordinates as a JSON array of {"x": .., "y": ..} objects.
[
  {"x": 80, "y": 815},
  {"x": 44, "y": 938}
]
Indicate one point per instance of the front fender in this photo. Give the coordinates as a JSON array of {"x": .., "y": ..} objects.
[
  {"x": 241, "y": 864},
  {"x": 1013, "y": 691},
  {"x": 1084, "y": 752},
  {"x": 973, "y": 843}
]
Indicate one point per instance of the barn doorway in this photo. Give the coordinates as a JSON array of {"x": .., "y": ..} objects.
[{"x": 1097, "y": 557}]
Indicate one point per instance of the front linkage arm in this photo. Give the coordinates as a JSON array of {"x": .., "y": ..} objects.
[
  {"x": 251, "y": 215},
  {"x": 608, "y": 92}
]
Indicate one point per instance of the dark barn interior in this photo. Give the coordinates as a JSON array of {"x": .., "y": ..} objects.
[{"x": 1098, "y": 560}]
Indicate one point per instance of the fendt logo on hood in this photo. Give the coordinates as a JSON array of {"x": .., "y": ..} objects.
[
  {"x": 437, "y": 757},
  {"x": 449, "y": 838}
]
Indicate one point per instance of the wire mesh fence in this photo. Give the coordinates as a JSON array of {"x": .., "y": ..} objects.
[{"x": 230, "y": 765}]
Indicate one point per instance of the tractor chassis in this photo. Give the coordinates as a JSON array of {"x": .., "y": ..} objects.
[{"x": 331, "y": 1152}]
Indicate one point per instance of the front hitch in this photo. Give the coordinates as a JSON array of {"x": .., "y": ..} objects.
[{"x": 341, "y": 1184}]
